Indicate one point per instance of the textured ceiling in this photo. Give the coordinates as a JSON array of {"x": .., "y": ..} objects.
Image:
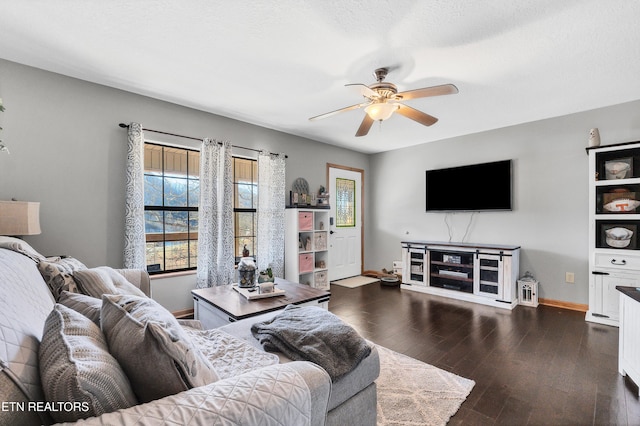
[{"x": 277, "y": 63}]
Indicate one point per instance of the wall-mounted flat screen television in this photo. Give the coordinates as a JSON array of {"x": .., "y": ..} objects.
[{"x": 475, "y": 187}]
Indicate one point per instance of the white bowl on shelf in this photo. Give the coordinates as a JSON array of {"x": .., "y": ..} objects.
[
  {"x": 618, "y": 237},
  {"x": 616, "y": 170}
]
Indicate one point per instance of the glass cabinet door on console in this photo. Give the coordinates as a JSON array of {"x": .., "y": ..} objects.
[
  {"x": 614, "y": 217},
  {"x": 414, "y": 260},
  {"x": 488, "y": 270}
]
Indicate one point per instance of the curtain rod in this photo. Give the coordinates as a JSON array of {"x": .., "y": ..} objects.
[{"x": 196, "y": 139}]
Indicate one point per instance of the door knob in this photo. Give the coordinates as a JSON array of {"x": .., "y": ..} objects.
[{"x": 331, "y": 232}]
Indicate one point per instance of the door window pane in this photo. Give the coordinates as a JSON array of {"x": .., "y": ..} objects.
[{"x": 345, "y": 203}]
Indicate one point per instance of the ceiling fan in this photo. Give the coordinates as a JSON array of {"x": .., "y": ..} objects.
[{"x": 383, "y": 99}]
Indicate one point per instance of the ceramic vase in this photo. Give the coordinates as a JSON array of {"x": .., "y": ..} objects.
[{"x": 594, "y": 137}]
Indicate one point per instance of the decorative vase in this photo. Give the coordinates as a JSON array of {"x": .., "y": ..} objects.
[
  {"x": 246, "y": 273},
  {"x": 594, "y": 137}
]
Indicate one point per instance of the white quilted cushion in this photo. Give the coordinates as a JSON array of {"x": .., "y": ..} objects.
[
  {"x": 25, "y": 303},
  {"x": 277, "y": 396},
  {"x": 229, "y": 355},
  {"x": 76, "y": 367}
]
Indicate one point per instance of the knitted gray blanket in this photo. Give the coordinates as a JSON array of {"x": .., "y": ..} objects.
[{"x": 309, "y": 333}]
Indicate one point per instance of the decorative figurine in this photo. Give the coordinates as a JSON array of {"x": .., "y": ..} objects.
[{"x": 594, "y": 137}]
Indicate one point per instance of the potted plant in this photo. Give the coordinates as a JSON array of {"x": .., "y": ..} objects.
[{"x": 266, "y": 276}]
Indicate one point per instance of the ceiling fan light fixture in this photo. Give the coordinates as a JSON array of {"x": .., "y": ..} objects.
[{"x": 381, "y": 111}]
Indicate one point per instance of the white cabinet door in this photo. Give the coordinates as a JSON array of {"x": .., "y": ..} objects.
[
  {"x": 629, "y": 347},
  {"x": 611, "y": 296},
  {"x": 416, "y": 266},
  {"x": 606, "y": 300}
]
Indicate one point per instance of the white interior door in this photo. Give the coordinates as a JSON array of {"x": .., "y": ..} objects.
[{"x": 345, "y": 239}]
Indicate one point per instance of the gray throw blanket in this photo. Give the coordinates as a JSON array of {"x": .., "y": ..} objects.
[{"x": 309, "y": 333}]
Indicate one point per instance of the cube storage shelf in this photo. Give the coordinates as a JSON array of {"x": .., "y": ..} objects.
[{"x": 306, "y": 246}]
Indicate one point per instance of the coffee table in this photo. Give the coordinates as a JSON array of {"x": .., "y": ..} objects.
[{"x": 218, "y": 306}]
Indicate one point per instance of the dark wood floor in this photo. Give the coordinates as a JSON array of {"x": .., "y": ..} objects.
[{"x": 543, "y": 366}]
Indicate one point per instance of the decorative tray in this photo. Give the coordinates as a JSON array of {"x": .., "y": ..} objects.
[{"x": 252, "y": 295}]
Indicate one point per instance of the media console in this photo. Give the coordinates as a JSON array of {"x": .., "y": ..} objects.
[{"x": 480, "y": 273}]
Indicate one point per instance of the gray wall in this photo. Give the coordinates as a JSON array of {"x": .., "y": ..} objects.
[
  {"x": 550, "y": 215},
  {"x": 68, "y": 152}
]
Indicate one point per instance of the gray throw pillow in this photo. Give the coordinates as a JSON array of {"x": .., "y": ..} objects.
[
  {"x": 57, "y": 272},
  {"x": 157, "y": 355},
  {"x": 104, "y": 280},
  {"x": 76, "y": 367},
  {"x": 86, "y": 305}
]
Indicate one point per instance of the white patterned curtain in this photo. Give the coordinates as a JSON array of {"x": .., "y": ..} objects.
[
  {"x": 134, "y": 236},
  {"x": 216, "y": 261},
  {"x": 271, "y": 203}
]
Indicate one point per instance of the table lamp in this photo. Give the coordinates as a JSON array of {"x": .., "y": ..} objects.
[{"x": 18, "y": 218}]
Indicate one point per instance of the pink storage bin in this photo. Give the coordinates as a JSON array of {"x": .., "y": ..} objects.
[
  {"x": 305, "y": 221},
  {"x": 306, "y": 262}
]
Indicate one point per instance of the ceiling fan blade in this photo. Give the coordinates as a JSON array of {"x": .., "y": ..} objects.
[
  {"x": 444, "y": 89},
  {"x": 329, "y": 114},
  {"x": 363, "y": 90},
  {"x": 364, "y": 126},
  {"x": 416, "y": 115}
]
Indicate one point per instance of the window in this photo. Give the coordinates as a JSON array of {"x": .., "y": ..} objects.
[
  {"x": 171, "y": 193},
  {"x": 245, "y": 203}
]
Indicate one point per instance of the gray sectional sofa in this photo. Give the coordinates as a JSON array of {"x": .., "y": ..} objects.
[{"x": 40, "y": 323}]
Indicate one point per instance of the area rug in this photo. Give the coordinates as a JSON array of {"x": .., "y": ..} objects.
[
  {"x": 356, "y": 281},
  {"x": 411, "y": 392}
]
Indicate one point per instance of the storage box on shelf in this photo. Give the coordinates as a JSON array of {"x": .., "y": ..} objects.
[
  {"x": 480, "y": 273},
  {"x": 614, "y": 223},
  {"x": 306, "y": 246}
]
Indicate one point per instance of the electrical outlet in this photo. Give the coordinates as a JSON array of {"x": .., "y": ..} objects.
[{"x": 570, "y": 277}]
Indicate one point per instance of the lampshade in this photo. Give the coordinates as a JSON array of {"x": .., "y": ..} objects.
[
  {"x": 19, "y": 218},
  {"x": 381, "y": 111}
]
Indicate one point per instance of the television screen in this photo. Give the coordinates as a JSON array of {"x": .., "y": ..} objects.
[{"x": 476, "y": 187}]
